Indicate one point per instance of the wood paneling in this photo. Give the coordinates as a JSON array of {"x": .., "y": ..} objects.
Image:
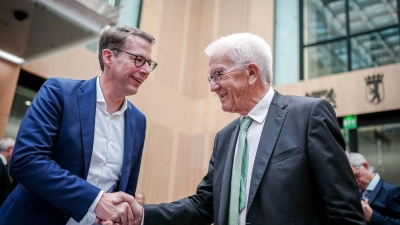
[{"x": 9, "y": 73}]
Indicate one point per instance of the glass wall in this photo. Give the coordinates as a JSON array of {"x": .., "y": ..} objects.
[
  {"x": 380, "y": 144},
  {"x": 286, "y": 41},
  {"x": 345, "y": 35}
]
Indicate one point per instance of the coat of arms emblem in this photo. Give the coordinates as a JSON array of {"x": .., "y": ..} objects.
[{"x": 374, "y": 89}]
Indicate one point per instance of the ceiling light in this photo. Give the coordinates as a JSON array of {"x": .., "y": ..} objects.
[{"x": 12, "y": 58}]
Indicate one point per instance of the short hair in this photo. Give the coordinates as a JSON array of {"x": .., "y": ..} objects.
[
  {"x": 116, "y": 36},
  {"x": 5, "y": 143},
  {"x": 356, "y": 159},
  {"x": 244, "y": 48}
]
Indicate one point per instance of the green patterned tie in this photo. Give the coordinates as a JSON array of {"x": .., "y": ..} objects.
[{"x": 239, "y": 174}]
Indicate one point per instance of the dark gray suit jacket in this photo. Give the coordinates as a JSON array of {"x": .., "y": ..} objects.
[{"x": 301, "y": 174}]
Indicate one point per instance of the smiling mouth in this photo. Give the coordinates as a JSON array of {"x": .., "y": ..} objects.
[
  {"x": 137, "y": 80},
  {"x": 223, "y": 95}
]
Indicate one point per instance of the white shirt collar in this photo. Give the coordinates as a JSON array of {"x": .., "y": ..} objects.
[
  {"x": 259, "y": 112},
  {"x": 3, "y": 159},
  {"x": 373, "y": 183},
  {"x": 100, "y": 99}
]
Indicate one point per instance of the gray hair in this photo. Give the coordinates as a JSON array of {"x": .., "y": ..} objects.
[
  {"x": 5, "y": 143},
  {"x": 356, "y": 159},
  {"x": 245, "y": 48}
]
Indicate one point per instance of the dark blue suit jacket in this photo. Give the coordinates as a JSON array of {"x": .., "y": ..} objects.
[
  {"x": 385, "y": 201},
  {"x": 52, "y": 155}
]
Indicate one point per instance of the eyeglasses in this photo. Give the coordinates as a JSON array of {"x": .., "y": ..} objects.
[
  {"x": 139, "y": 60},
  {"x": 217, "y": 76}
]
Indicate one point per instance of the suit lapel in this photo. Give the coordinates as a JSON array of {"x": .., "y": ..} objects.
[
  {"x": 375, "y": 192},
  {"x": 87, "y": 115},
  {"x": 269, "y": 136},
  {"x": 129, "y": 137},
  {"x": 226, "y": 178}
]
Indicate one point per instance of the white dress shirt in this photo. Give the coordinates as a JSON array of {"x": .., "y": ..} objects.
[
  {"x": 371, "y": 186},
  {"x": 258, "y": 114},
  {"x": 108, "y": 151}
]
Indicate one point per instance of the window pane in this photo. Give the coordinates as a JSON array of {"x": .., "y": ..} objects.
[
  {"x": 375, "y": 49},
  {"x": 372, "y": 14},
  {"x": 324, "y": 59},
  {"x": 323, "y": 20},
  {"x": 380, "y": 144}
]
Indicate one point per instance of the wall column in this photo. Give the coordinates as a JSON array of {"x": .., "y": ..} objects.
[{"x": 9, "y": 73}]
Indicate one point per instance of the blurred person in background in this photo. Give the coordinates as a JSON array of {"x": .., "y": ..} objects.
[
  {"x": 6, "y": 150},
  {"x": 380, "y": 199}
]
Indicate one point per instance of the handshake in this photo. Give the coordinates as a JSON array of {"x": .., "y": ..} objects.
[{"x": 118, "y": 208}]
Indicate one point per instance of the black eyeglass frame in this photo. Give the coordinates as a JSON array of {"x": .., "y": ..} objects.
[{"x": 152, "y": 64}]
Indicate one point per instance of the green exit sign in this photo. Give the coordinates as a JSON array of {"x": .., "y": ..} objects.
[{"x": 350, "y": 122}]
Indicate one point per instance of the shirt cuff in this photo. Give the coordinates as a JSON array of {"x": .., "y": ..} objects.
[
  {"x": 94, "y": 204},
  {"x": 142, "y": 216}
]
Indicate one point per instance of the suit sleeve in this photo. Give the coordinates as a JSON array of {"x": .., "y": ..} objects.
[
  {"x": 32, "y": 163},
  {"x": 393, "y": 208},
  {"x": 195, "y": 210},
  {"x": 330, "y": 167}
]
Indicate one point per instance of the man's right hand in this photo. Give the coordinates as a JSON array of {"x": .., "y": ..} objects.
[
  {"x": 137, "y": 209},
  {"x": 107, "y": 210}
]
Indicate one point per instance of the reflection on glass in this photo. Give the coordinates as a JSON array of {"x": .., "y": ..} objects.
[
  {"x": 18, "y": 109},
  {"x": 324, "y": 59},
  {"x": 380, "y": 144},
  {"x": 323, "y": 20},
  {"x": 372, "y": 14},
  {"x": 375, "y": 49}
]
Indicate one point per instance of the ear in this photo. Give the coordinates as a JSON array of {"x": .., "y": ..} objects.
[
  {"x": 107, "y": 56},
  {"x": 365, "y": 165},
  {"x": 254, "y": 72}
]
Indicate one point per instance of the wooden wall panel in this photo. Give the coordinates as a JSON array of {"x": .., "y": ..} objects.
[
  {"x": 156, "y": 165},
  {"x": 9, "y": 73}
]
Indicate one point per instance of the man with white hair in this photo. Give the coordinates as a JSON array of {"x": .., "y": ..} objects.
[
  {"x": 6, "y": 149},
  {"x": 280, "y": 162},
  {"x": 380, "y": 199}
]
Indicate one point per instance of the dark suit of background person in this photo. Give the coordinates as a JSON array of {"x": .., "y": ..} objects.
[
  {"x": 55, "y": 142},
  {"x": 6, "y": 149},
  {"x": 382, "y": 204},
  {"x": 300, "y": 175}
]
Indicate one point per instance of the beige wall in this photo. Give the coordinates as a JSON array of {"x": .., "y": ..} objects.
[
  {"x": 184, "y": 115},
  {"x": 8, "y": 81},
  {"x": 351, "y": 90}
]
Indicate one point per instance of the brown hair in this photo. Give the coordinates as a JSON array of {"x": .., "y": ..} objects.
[{"x": 115, "y": 37}]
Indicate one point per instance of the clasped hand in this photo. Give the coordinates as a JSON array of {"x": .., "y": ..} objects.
[{"x": 118, "y": 208}]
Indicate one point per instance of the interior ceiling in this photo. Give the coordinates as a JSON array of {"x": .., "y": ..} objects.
[{"x": 43, "y": 30}]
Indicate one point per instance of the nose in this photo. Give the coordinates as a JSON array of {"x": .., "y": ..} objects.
[
  {"x": 214, "y": 86},
  {"x": 145, "y": 69}
]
